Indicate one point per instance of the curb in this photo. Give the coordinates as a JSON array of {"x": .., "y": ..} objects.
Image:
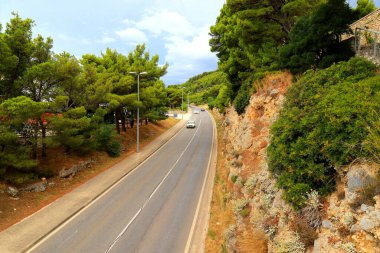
[{"x": 23, "y": 235}]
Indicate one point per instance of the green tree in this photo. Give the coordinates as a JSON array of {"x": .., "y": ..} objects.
[
  {"x": 365, "y": 7},
  {"x": 17, "y": 45},
  {"x": 315, "y": 41},
  {"x": 223, "y": 98},
  {"x": 19, "y": 115},
  {"x": 248, "y": 34},
  {"x": 107, "y": 81}
]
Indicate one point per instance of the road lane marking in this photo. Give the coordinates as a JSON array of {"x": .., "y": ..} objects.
[
  {"x": 89, "y": 204},
  {"x": 191, "y": 234},
  {"x": 152, "y": 194}
]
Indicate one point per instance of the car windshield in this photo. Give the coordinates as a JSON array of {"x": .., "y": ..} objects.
[{"x": 190, "y": 122}]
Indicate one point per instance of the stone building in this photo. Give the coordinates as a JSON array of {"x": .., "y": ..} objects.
[{"x": 366, "y": 38}]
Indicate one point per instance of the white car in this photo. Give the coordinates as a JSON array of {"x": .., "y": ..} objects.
[
  {"x": 196, "y": 112},
  {"x": 190, "y": 124}
]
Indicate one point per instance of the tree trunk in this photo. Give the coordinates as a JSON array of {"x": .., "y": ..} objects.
[
  {"x": 146, "y": 121},
  {"x": 35, "y": 137},
  {"x": 43, "y": 151},
  {"x": 131, "y": 121},
  {"x": 117, "y": 121},
  {"x": 124, "y": 128}
]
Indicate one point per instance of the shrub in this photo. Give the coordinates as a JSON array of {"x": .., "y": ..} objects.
[
  {"x": 242, "y": 99},
  {"x": 372, "y": 143},
  {"x": 212, "y": 234},
  {"x": 245, "y": 212},
  {"x": 312, "y": 209},
  {"x": 19, "y": 178},
  {"x": 287, "y": 242},
  {"x": 322, "y": 125},
  {"x": 304, "y": 230},
  {"x": 239, "y": 205},
  {"x": 234, "y": 178},
  {"x": 113, "y": 148}
]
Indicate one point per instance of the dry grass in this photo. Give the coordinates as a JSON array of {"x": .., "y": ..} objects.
[
  {"x": 252, "y": 241},
  {"x": 221, "y": 216},
  {"x": 12, "y": 210},
  {"x": 280, "y": 80}
]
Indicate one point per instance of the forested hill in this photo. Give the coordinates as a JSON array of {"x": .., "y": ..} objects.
[{"x": 212, "y": 88}]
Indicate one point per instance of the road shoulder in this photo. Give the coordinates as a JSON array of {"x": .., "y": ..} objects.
[{"x": 26, "y": 233}]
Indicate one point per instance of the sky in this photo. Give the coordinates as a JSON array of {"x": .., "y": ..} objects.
[{"x": 176, "y": 30}]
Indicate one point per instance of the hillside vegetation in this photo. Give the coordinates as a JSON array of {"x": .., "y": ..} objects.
[
  {"x": 56, "y": 100},
  {"x": 325, "y": 123},
  {"x": 212, "y": 88}
]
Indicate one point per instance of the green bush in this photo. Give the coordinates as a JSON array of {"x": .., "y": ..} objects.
[
  {"x": 106, "y": 140},
  {"x": 242, "y": 99},
  {"x": 19, "y": 178},
  {"x": 323, "y": 125},
  {"x": 113, "y": 148}
]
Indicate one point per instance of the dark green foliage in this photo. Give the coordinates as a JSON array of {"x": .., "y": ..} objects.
[
  {"x": 73, "y": 131},
  {"x": 315, "y": 40},
  {"x": 247, "y": 35},
  {"x": 113, "y": 148},
  {"x": 106, "y": 140},
  {"x": 242, "y": 99},
  {"x": 322, "y": 125},
  {"x": 19, "y": 178},
  {"x": 223, "y": 98}
]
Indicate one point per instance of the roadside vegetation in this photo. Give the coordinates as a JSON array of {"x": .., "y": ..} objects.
[
  {"x": 329, "y": 114},
  {"x": 325, "y": 124},
  {"x": 50, "y": 100}
]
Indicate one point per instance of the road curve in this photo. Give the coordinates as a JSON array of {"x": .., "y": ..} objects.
[{"x": 151, "y": 209}]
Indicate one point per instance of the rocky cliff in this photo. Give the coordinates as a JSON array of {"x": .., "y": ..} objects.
[{"x": 342, "y": 222}]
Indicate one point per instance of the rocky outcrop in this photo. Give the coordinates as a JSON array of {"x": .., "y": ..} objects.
[
  {"x": 246, "y": 139},
  {"x": 37, "y": 187},
  {"x": 71, "y": 172},
  {"x": 347, "y": 221},
  {"x": 12, "y": 191}
]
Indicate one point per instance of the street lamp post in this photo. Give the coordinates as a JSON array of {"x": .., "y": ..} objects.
[
  {"x": 138, "y": 109},
  {"x": 182, "y": 103},
  {"x": 188, "y": 104}
]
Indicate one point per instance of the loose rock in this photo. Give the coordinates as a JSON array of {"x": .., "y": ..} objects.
[{"x": 12, "y": 191}]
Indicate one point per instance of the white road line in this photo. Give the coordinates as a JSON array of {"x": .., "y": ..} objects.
[
  {"x": 59, "y": 227},
  {"x": 152, "y": 194},
  {"x": 191, "y": 234}
]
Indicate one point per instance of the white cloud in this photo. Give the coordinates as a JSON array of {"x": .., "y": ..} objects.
[
  {"x": 132, "y": 35},
  {"x": 165, "y": 21},
  {"x": 106, "y": 40},
  {"x": 187, "y": 58}
]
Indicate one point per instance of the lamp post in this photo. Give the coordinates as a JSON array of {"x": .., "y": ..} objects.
[
  {"x": 188, "y": 104},
  {"x": 182, "y": 103},
  {"x": 138, "y": 109}
]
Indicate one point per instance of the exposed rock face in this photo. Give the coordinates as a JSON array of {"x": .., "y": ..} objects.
[
  {"x": 359, "y": 176},
  {"x": 246, "y": 139},
  {"x": 343, "y": 224},
  {"x": 356, "y": 224}
]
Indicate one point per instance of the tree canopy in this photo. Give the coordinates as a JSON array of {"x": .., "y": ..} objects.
[{"x": 71, "y": 98}]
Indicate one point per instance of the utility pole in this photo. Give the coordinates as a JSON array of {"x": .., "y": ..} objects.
[{"x": 138, "y": 109}]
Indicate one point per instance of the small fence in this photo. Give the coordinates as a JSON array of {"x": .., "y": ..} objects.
[{"x": 367, "y": 44}]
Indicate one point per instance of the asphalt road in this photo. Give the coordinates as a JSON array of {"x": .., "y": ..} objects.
[{"x": 151, "y": 210}]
